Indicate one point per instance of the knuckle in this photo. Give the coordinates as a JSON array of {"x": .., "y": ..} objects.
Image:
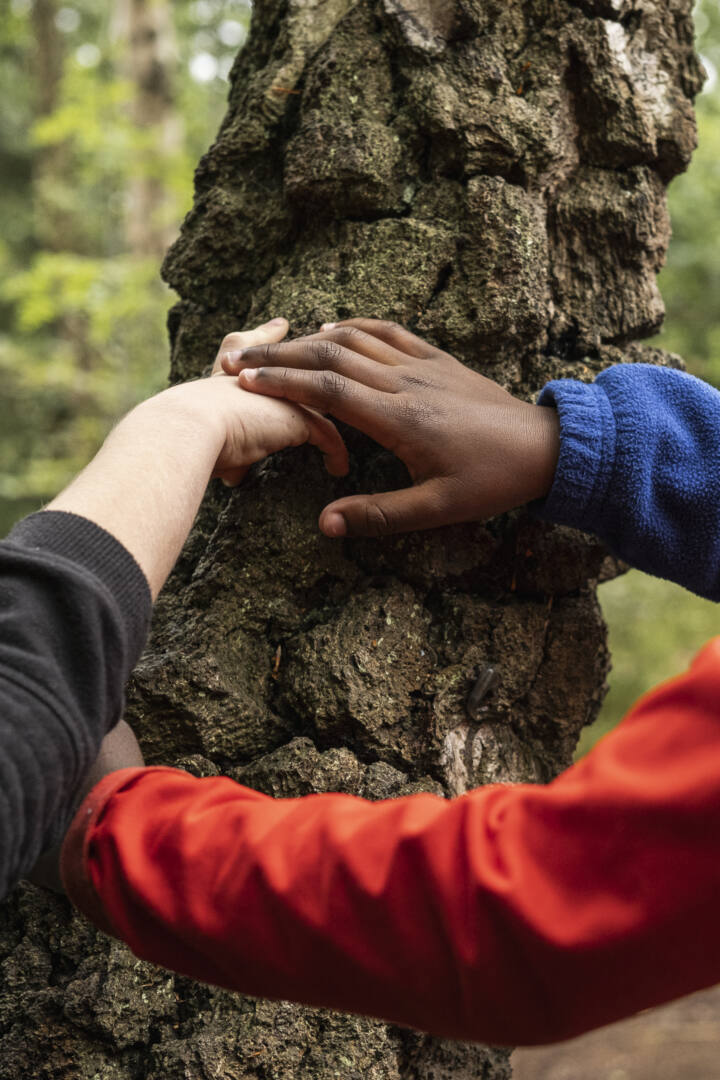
[
  {"x": 377, "y": 521},
  {"x": 330, "y": 384},
  {"x": 327, "y": 352},
  {"x": 411, "y": 411},
  {"x": 412, "y": 381},
  {"x": 267, "y": 352},
  {"x": 349, "y": 334}
]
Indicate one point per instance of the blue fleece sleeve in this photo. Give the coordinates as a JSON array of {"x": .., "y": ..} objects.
[{"x": 639, "y": 466}]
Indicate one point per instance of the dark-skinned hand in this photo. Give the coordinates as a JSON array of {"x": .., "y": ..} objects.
[{"x": 471, "y": 448}]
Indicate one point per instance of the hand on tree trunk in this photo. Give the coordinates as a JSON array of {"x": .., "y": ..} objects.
[
  {"x": 472, "y": 449},
  {"x": 146, "y": 483},
  {"x": 254, "y": 432}
]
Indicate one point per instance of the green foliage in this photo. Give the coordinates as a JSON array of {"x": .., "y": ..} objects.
[
  {"x": 655, "y": 630},
  {"x": 82, "y": 319},
  {"x": 74, "y": 385},
  {"x": 690, "y": 283}
]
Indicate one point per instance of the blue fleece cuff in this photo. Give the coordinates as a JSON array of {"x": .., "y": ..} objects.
[
  {"x": 587, "y": 453},
  {"x": 639, "y": 466}
]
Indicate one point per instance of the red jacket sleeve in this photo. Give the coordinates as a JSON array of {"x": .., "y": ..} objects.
[{"x": 513, "y": 914}]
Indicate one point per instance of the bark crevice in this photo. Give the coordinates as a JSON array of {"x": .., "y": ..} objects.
[{"x": 492, "y": 174}]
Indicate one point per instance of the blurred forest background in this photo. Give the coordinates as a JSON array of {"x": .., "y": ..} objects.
[{"x": 106, "y": 109}]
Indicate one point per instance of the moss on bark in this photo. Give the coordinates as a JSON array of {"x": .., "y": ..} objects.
[{"x": 490, "y": 173}]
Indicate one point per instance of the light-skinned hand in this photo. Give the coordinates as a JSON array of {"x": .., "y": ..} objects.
[
  {"x": 146, "y": 483},
  {"x": 254, "y": 426},
  {"x": 472, "y": 449}
]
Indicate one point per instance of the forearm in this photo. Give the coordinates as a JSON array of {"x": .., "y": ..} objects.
[
  {"x": 75, "y": 603},
  {"x": 146, "y": 483},
  {"x": 513, "y": 914},
  {"x": 76, "y": 606}
]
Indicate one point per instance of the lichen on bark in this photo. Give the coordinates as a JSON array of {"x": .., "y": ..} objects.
[{"x": 490, "y": 173}]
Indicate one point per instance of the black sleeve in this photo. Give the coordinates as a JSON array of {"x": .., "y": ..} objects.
[{"x": 74, "y": 614}]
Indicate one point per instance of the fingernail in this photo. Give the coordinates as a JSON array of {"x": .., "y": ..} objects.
[
  {"x": 249, "y": 374},
  {"x": 328, "y": 326},
  {"x": 232, "y": 358},
  {"x": 335, "y": 524},
  {"x": 275, "y": 322}
]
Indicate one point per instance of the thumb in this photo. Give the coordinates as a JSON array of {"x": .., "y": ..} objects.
[
  {"x": 234, "y": 343},
  {"x": 422, "y": 507}
]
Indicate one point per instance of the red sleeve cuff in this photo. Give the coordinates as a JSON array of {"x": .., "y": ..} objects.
[{"x": 76, "y": 849}]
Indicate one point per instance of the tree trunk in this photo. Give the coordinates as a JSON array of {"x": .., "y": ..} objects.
[
  {"x": 53, "y": 222},
  {"x": 490, "y": 173},
  {"x": 148, "y": 58}
]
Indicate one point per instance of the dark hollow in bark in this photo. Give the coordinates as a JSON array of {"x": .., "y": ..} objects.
[{"x": 490, "y": 173}]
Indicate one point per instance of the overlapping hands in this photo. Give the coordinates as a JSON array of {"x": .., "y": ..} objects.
[{"x": 472, "y": 449}]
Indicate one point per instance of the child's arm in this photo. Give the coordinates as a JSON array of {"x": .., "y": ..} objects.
[
  {"x": 638, "y": 465},
  {"x": 74, "y": 598},
  {"x": 514, "y": 914},
  {"x": 146, "y": 483}
]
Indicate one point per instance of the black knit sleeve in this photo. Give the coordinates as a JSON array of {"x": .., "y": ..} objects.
[{"x": 74, "y": 614}]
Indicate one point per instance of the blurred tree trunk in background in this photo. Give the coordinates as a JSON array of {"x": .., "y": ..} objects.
[
  {"x": 48, "y": 55},
  {"x": 52, "y": 220},
  {"x": 53, "y": 198},
  {"x": 490, "y": 173},
  {"x": 148, "y": 58}
]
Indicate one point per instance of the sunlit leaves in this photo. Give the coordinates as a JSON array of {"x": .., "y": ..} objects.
[
  {"x": 98, "y": 346},
  {"x": 82, "y": 323}
]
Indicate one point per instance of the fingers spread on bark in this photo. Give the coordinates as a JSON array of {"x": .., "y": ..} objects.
[
  {"x": 323, "y": 353},
  {"x": 395, "y": 335}
]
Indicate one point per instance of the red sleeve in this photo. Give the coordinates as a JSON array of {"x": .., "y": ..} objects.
[{"x": 514, "y": 914}]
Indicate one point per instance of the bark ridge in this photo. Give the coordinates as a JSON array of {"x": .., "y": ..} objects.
[{"x": 491, "y": 173}]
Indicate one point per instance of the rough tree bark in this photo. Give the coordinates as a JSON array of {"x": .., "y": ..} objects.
[{"x": 490, "y": 173}]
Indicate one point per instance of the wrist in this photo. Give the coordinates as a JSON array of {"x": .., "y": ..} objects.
[
  {"x": 548, "y": 432},
  {"x": 147, "y": 481},
  {"x": 181, "y": 415},
  {"x": 541, "y": 449}
]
